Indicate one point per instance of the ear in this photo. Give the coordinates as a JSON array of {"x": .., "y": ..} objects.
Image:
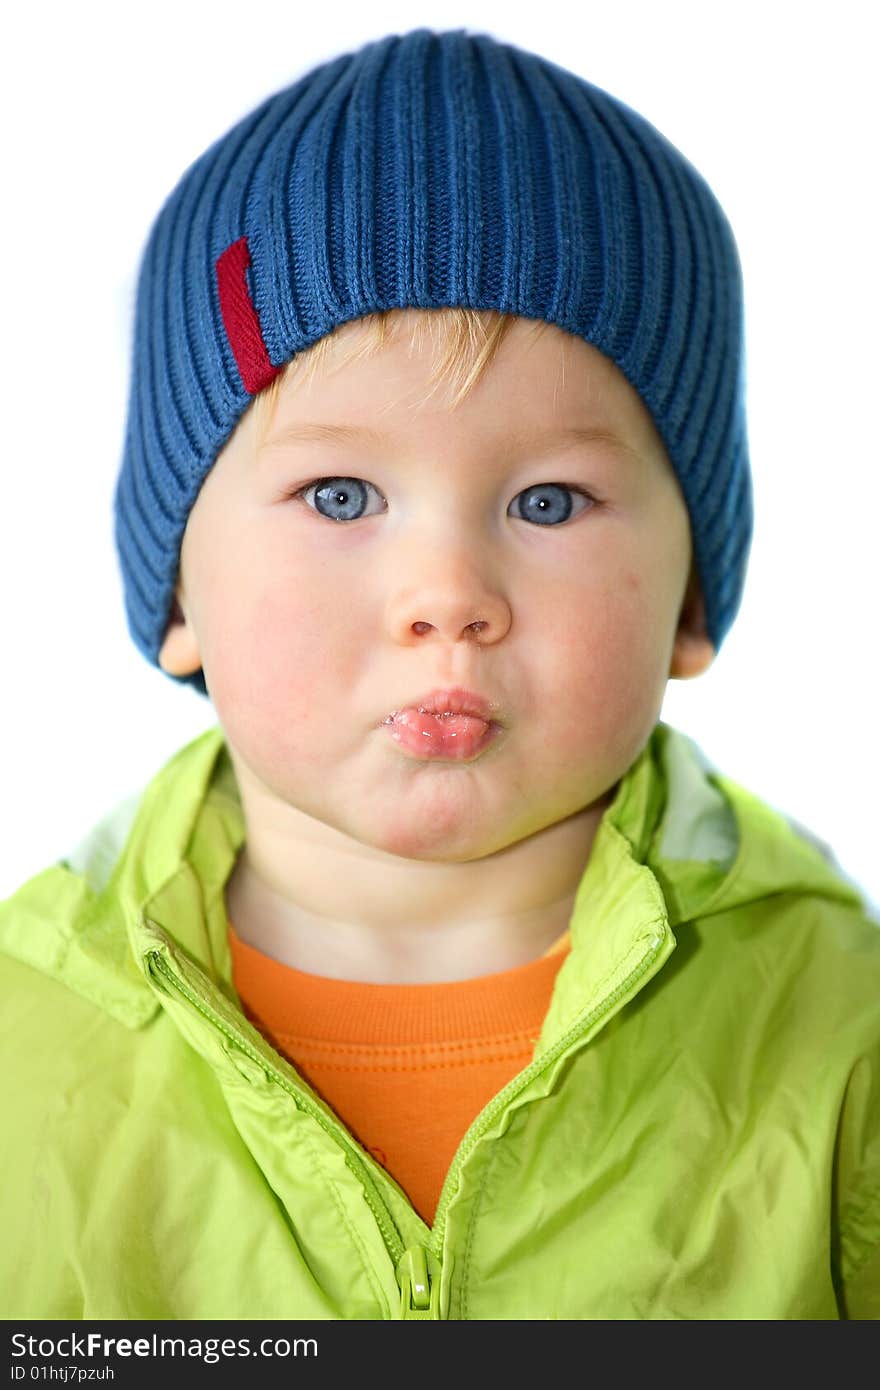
[
  {"x": 692, "y": 653},
  {"x": 179, "y": 654}
]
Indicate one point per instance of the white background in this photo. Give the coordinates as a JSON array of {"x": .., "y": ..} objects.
[{"x": 103, "y": 108}]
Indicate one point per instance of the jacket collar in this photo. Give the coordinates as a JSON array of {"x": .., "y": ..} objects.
[{"x": 678, "y": 841}]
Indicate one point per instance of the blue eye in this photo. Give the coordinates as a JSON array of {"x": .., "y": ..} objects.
[
  {"x": 343, "y": 499},
  {"x": 546, "y": 504},
  {"x": 338, "y": 499}
]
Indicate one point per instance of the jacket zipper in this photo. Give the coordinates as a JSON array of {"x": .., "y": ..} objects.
[
  {"x": 417, "y": 1268},
  {"x": 418, "y": 1274},
  {"x": 301, "y": 1100},
  {"x": 519, "y": 1082}
]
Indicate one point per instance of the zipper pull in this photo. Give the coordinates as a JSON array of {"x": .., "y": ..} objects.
[{"x": 418, "y": 1274}]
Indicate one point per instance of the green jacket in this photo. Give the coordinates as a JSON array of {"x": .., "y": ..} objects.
[{"x": 698, "y": 1135}]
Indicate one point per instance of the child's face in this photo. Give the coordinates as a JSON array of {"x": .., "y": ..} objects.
[{"x": 311, "y": 630}]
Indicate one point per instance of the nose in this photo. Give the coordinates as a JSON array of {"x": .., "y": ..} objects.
[{"x": 449, "y": 600}]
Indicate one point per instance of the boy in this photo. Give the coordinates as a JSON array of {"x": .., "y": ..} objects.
[{"x": 441, "y": 980}]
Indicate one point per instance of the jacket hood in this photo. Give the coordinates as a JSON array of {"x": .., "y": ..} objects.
[{"x": 678, "y": 842}]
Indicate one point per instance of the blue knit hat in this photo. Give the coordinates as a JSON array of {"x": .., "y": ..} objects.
[{"x": 431, "y": 169}]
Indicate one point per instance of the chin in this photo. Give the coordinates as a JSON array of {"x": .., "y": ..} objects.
[{"x": 423, "y": 839}]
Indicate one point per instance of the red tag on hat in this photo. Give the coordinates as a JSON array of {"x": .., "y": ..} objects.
[{"x": 240, "y": 318}]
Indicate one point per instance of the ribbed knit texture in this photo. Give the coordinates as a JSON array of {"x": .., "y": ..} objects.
[{"x": 423, "y": 170}]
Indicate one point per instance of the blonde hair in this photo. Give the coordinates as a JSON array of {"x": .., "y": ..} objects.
[{"x": 465, "y": 341}]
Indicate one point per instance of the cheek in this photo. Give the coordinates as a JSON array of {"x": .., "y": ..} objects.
[
  {"x": 278, "y": 651},
  {"x": 606, "y": 654}
]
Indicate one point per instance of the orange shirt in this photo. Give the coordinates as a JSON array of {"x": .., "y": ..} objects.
[{"x": 407, "y": 1068}]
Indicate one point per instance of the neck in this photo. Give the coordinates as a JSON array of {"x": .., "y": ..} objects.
[{"x": 319, "y": 901}]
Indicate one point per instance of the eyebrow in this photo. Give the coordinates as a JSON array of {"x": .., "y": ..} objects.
[{"x": 316, "y": 433}]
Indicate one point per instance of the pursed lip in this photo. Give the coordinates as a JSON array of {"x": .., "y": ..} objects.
[{"x": 454, "y": 700}]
